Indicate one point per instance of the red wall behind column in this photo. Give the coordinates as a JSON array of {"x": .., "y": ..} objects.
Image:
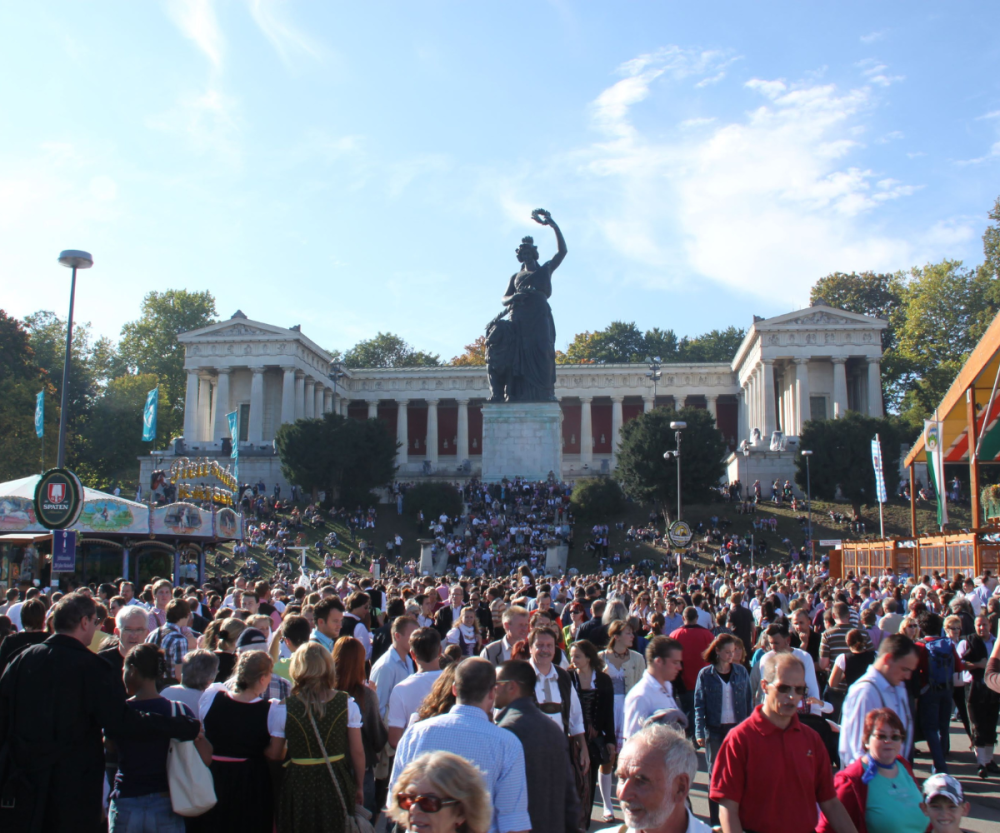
[
  {"x": 447, "y": 429},
  {"x": 728, "y": 422},
  {"x": 631, "y": 410},
  {"x": 475, "y": 430},
  {"x": 358, "y": 411},
  {"x": 416, "y": 424},
  {"x": 571, "y": 428},
  {"x": 600, "y": 420},
  {"x": 387, "y": 416}
]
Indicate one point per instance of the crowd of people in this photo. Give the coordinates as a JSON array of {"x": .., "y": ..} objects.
[{"x": 500, "y": 702}]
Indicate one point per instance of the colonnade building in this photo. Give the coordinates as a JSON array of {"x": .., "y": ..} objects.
[{"x": 814, "y": 363}]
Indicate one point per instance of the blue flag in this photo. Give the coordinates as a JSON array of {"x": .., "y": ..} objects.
[
  {"x": 149, "y": 415},
  {"x": 40, "y": 414},
  {"x": 234, "y": 433},
  {"x": 877, "y": 465}
]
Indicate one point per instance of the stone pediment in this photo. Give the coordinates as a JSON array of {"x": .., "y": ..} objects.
[
  {"x": 237, "y": 330},
  {"x": 821, "y": 317}
]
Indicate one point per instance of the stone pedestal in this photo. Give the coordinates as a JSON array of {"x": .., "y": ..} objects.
[
  {"x": 521, "y": 439},
  {"x": 426, "y": 567},
  {"x": 556, "y": 559}
]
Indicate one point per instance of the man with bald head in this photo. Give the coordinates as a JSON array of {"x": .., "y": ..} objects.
[{"x": 772, "y": 770}]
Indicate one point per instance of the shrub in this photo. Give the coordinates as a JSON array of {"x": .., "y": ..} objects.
[
  {"x": 434, "y": 499},
  {"x": 598, "y": 497}
]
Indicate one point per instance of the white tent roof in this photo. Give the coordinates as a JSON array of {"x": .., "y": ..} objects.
[{"x": 107, "y": 513}]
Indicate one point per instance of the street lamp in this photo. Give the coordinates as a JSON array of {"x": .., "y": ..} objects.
[
  {"x": 809, "y": 503},
  {"x": 676, "y": 453},
  {"x": 337, "y": 373},
  {"x": 73, "y": 259},
  {"x": 654, "y": 373}
]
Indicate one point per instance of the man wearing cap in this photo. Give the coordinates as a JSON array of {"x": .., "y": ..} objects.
[{"x": 944, "y": 803}]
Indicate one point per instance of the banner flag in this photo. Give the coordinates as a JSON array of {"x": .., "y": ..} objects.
[
  {"x": 234, "y": 433},
  {"x": 40, "y": 414},
  {"x": 877, "y": 464},
  {"x": 935, "y": 467},
  {"x": 149, "y": 415}
]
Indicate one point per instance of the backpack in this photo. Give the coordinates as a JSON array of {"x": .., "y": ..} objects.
[{"x": 941, "y": 663}]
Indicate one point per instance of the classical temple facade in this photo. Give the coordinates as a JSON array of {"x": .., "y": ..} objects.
[{"x": 817, "y": 362}]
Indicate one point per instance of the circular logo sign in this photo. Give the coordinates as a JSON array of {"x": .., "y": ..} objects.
[
  {"x": 58, "y": 499},
  {"x": 680, "y": 534}
]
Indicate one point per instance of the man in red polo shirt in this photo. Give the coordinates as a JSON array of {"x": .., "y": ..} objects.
[
  {"x": 771, "y": 770},
  {"x": 694, "y": 639}
]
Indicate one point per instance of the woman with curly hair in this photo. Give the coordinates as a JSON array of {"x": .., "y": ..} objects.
[{"x": 440, "y": 792}]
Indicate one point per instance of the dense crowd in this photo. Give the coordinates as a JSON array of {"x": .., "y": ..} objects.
[{"x": 499, "y": 699}]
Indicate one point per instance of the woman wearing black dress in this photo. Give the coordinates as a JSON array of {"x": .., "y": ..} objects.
[
  {"x": 597, "y": 700},
  {"x": 238, "y": 727}
]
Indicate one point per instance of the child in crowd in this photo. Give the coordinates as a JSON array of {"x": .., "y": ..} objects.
[{"x": 944, "y": 803}]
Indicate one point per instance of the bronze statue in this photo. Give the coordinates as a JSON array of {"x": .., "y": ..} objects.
[{"x": 521, "y": 351}]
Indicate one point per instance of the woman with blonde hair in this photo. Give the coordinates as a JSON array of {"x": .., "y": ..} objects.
[
  {"x": 240, "y": 724},
  {"x": 439, "y": 792},
  {"x": 324, "y": 776}
]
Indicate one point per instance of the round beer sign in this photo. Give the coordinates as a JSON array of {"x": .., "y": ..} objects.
[
  {"x": 58, "y": 499},
  {"x": 680, "y": 534}
]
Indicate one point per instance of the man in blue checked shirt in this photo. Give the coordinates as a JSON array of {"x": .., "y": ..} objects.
[{"x": 468, "y": 731}]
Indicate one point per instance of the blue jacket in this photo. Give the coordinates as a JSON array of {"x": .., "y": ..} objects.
[{"x": 708, "y": 698}]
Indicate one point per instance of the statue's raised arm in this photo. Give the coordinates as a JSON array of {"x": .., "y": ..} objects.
[{"x": 543, "y": 217}]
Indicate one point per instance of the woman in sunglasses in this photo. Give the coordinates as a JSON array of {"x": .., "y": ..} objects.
[
  {"x": 440, "y": 792},
  {"x": 878, "y": 789}
]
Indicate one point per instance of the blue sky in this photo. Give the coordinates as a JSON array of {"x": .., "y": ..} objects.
[{"x": 356, "y": 167}]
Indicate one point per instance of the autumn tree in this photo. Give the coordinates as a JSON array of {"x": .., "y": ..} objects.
[{"x": 474, "y": 355}]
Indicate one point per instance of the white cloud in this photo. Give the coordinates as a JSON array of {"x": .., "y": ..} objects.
[
  {"x": 284, "y": 37},
  {"x": 872, "y": 37},
  {"x": 208, "y": 121},
  {"x": 875, "y": 72},
  {"x": 196, "y": 20},
  {"x": 698, "y": 122},
  {"x": 763, "y": 203},
  {"x": 994, "y": 115},
  {"x": 889, "y": 137}
]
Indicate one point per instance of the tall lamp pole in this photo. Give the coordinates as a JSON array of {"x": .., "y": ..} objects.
[
  {"x": 73, "y": 259},
  {"x": 654, "y": 373},
  {"x": 676, "y": 453},
  {"x": 809, "y": 503}
]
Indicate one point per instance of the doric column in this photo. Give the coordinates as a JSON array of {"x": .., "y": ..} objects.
[
  {"x": 752, "y": 410},
  {"x": 255, "y": 431},
  {"x": 462, "y": 453},
  {"x": 803, "y": 410},
  {"x": 839, "y": 387},
  {"x": 310, "y": 400},
  {"x": 288, "y": 395},
  {"x": 874, "y": 388},
  {"x": 300, "y": 395},
  {"x": 318, "y": 412},
  {"x": 327, "y": 400},
  {"x": 373, "y": 410},
  {"x": 616, "y": 422},
  {"x": 402, "y": 433},
  {"x": 221, "y": 405},
  {"x": 431, "y": 449},
  {"x": 586, "y": 431},
  {"x": 789, "y": 417},
  {"x": 191, "y": 407},
  {"x": 204, "y": 408},
  {"x": 712, "y": 402},
  {"x": 770, "y": 423},
  {"x": 648, "y": 403},
  {"x": 741, "y": 415}
]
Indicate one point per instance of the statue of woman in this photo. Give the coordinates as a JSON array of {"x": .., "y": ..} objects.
[{"x": 532, "y": 373}]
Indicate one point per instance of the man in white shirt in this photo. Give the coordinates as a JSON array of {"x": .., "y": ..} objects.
[
  {"x": 515, "y": 621},
  {"x": 406, "y": 697},
  {"x": 395, "y": 665},
  {"x": 656, "y": 770},
  {"x": 654, "y": 692},
  {"x": 780, "y": 642}
]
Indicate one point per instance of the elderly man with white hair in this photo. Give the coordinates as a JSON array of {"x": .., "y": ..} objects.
[
  {"x": 131, "y": 628},
  {"x": 656, "y": 770}
]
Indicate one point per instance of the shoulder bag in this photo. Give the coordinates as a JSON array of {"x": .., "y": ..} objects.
[
  {"x": 192, "y": 790},
  {"x": 353, "y": 821}
]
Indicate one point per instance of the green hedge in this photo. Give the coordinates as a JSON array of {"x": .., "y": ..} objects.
[{"x": 598, "y": 497}]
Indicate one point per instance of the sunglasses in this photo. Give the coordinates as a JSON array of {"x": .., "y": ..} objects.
[
  {"x": 888, "y": 738},
  {"x": 427, "y": 803},
  {"x": 797, "y": 690}
]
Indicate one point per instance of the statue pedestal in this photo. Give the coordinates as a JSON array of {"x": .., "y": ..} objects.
[{"x": 521, "y": 439}]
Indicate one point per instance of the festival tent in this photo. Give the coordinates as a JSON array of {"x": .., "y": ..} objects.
[{"x": 102, "y": 513}]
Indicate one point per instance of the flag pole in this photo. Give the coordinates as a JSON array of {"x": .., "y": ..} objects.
[{"x": 881, "y": 521}]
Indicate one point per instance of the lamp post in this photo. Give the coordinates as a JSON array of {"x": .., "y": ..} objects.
[
  {"x": 336, "y": 374},
  {"x": 676, "y": 453},
  {"x": 654, "y": 373},
  {"x": 73, "y": 259},
  {"x": 809, "y": 503}
]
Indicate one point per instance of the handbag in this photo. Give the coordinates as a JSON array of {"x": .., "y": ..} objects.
[
  {"x": 353, "y": 821},
  {"x": 192, "y": 789}
]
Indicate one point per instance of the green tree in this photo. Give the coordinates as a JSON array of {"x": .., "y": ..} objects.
[
  {"x": 991, "y": 246},
  {"x": 662, "y": 343},
  {"x": 597, "y": 497},
  {"x": 20, "y": 381},
  {"x": 618, "y": 342},
  {"x": 433, "y": 499},
  {"x": 945, "y": 310},
  {"x": 713, "y": 346},
  {"x": 345, "y": 457},
  {"x": 878, "y": 294},
  {"x": 149, "y": 345},
  {"x": 388, "y": 350},
  {"x": 474, "y": 355},
  {"x": 645, "y": 476},
  {"x": 113, "y": 434},
  {"x": 841, "y": 464}
]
